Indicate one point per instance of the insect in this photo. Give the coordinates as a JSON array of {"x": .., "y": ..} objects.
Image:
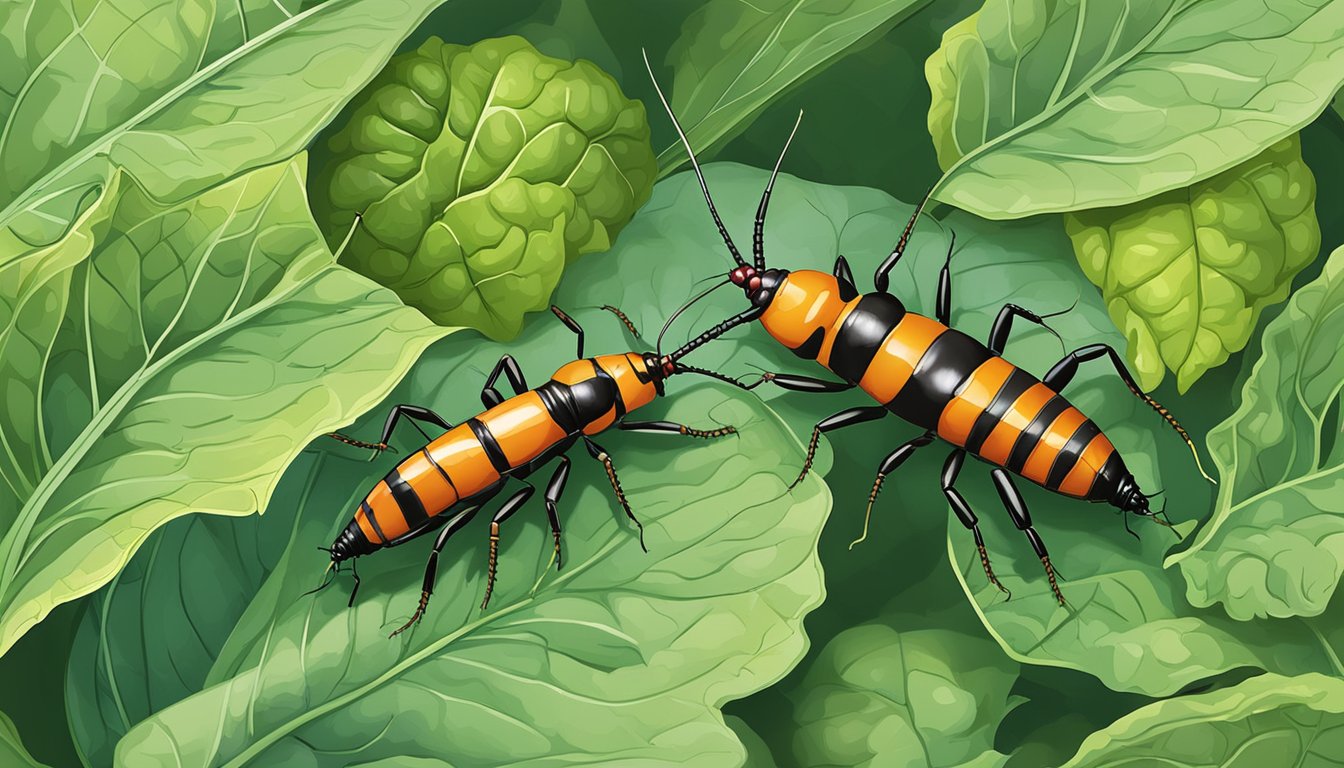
[
  {"x": 447, "y": 481},
  {"x": 950, "y": 385}
]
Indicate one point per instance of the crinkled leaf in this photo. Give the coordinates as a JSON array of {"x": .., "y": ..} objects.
[
  {"x": 12, "y": 752},
  {"x": 172, "y": 358},
  {"x": 1269, "y": 720},
  {"x": 1186, "y": 274},
  {"x": 642, "y": 646},
  {"x": 735, "y": 57},
  {"x": 758, "y": 754},
  {"x": 177, "y": 123},
  {"x": 1275, "y": 543},
  {"x": 927, "y": 698},
  {"x": 1062, "y": 105},
  {"x": 480, "y": 171}
]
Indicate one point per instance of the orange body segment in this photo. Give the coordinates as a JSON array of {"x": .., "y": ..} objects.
[
  {"x": 1079, "y": 480},
  {"x": 1051, "y": 442},
  {"x": 999, "y": 444},
  {"x": 523, "y": 428},
  {"x": 977, "y": 393},
  {"x": 891, "y": 368}
]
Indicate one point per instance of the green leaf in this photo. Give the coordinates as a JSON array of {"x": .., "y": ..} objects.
[
  {"x": 178, "y": 127},
  {"x": 12, "y": 752},
  {"x": 1062, "y": 105},
  {"x": 480, "y": 172},
  {"x": 734, "y": 57},
  {"x": 1269, "y": 720},
  {"x": 164, "y": 359},
  {"x": 1186, "y": 274},
  {"x": 1275, "y": 543},
  {"x": 758, "y": 754},
  {"x": 930, "y": 698},
  {"x": 648, "y": 644},
  {"x": 237, "y": 22}
]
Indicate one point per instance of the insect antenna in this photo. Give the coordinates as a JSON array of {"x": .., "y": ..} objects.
[
  {"x": 758, "y": 233},
  {"x": 327, "y": 576},
  {"x": 658, "y": 346},
  {"x": 723, "y": 231}
]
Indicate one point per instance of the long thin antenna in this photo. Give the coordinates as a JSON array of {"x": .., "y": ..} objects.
[
  {"x": 723, "y": 231},
  {"x": 658, "y": 346},
  {"x": 758, "y": 234}
]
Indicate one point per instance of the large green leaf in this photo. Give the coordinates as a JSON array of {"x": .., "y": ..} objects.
[
  {"x": 642, "y": 646},
  {"x": 1062, "y": 105},
  {"x": 925, "y": 698},
  {"x": 735, "y": 57},
  {"x": 239, "y": 21},
  {"x": 1186, "y": 273},
  {"x": 12, "y": 752},
  {"x": 177, "y": 125},
  {"x": 1268, "y": 720},
  {"x": 1275, "y": 544},
  {"x": 480, "y": 171},
  {"x": 163, "y": 359}
]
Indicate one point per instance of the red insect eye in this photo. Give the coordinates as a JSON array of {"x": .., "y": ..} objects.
[{"x": 754, "y": 284}]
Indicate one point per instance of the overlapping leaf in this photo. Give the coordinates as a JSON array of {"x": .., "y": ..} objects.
[
  {"x": 1061, "y": 105},
  {"x": 1275, "y": 543},
  {"x": 12, "y": 751},
  {"x": 1185, "y": 274},
  {"x": 167, "y": 359}
]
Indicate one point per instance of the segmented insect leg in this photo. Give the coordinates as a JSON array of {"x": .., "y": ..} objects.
[
  {"x": 943, "y": 306},
  {"x": 508, "y": 367},
  {"x": 1017, "y": 508},
  {"x": 1064, "y": 371},
  {"x": 893, "y": 460},
  {"x": 597, "y": 452},
  {"x": 675, "y": 428},
  {"x": 1003, "y": 323},
  {"x": 845, "y": 278},
  {"x": 506, "y": 511},
  {"x": 618, "y": 313},
  {"x": 555, "y": 488},
  {"x": 883, "y": 273},
  {"x": 963, "y": 511},
  {"x": 845, "y": 418},
  {"x": 453, "y": 525},
  {"x": 572, "y": 325}
]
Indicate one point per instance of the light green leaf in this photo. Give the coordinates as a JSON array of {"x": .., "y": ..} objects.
[
  {"x": 239, "y": 21},
  {"x": 12, "y": 752},
  {"x": 643, "y": 646},
  {"x": 924, "y": 698},
  {"x": 758, "y": 754},
  {"x": 1062, "y": 105},
  {"x": 734, "y": 57},
  {"x": 480, "y": 172},
  {"x": 178, "y": 128},
  {"x": 158, "y": 342},
  {"x": 1269, "y": 720},
  {"x": 1275, "y": 543},
  {"x": 1186, "y": 274}
]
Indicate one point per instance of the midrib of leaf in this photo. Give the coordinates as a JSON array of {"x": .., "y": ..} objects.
[
  {"x": 103, "y": 144},
  {"x": 116, "y": 404},
  {"x": 1179, "y": 7},
  {"x": 427, "y": 653}
]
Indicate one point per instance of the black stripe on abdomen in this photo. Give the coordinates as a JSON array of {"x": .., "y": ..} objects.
[
  {"x": 940, "y": 374},
  {"x": 490, "y": 446},
  {"x": 373, "y": 520},
  {"x": 407, "y": 499},
  {"x": 1026, "y": 442},
  {"x": 1068, "y": 455},
  {"x": 862, "y": 334},
  {"x": 1019, "y": 381}
]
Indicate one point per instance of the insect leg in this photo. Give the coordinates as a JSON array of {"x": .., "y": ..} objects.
[
  {"x": 597, "y": 452},
  {"x": 555, "y": 487},
  {"x": 803, "y": 383},
  {"x": 511, "y": 505},
  {"x": 883, "y": 272},
  {"x": 845, "y": 278},
  {"x": 572, "y": 325},
  {"x": 1064, "y": 371},
  {"x": 943, "y": 309},
  {"x": 621, "y": 316},
  {"x": 845, "y": 418},
  {"x": 675, "y": 428},
  {"x": 894, "y": 459},
  {"x": 1003, "y": 323},
  {"x": 413, "y": 413},
  {"x": 964, "y": 513},
  {"x": 451, "y": 527},
  {"x": 509, "y": 368},
  {"x": 1017, "y": 507}
]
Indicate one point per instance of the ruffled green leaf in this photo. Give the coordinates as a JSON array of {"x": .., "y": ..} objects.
[
  {"x": 480, "y": 172},
  {"x": 1186, "y": 274},
  {"x": 1275, "y": 543}
]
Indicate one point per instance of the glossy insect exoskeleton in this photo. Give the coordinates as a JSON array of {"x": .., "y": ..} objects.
[
  {"x": 950, "y": 385},
  {"x": 443, "y": 484}
]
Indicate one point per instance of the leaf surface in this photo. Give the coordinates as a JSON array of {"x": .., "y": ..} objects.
[
  {"x": 1062, "y": 105},
  {"x": 1275, "y": 543}
]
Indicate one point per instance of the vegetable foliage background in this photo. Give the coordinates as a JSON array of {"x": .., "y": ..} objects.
[{"x": 187, "y": 303}]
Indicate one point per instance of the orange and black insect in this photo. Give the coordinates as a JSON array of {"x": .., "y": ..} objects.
[
  {"x": 447, "y": 481},
  {"x": 950, "y": 385}
]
